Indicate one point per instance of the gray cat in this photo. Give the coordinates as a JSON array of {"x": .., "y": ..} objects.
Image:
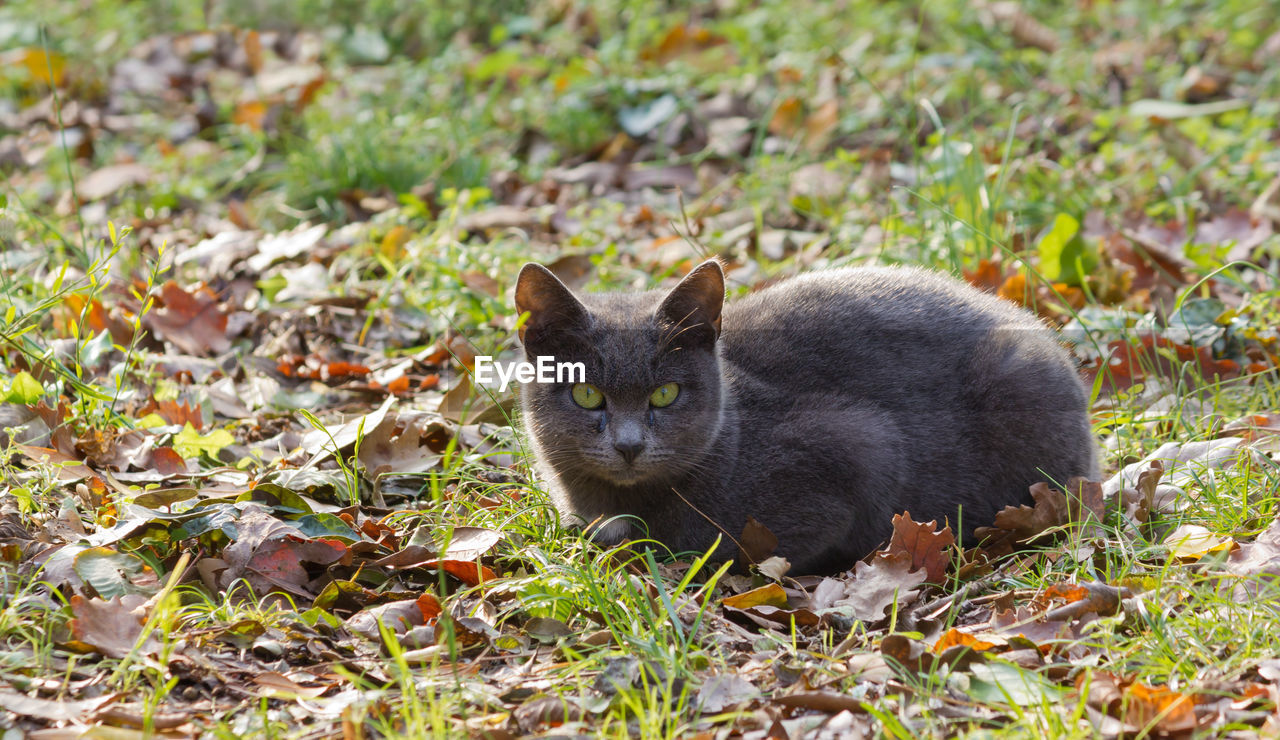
[{"x": 821, "y": 406}]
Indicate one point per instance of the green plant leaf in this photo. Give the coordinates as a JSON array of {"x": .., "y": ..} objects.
[
  {"x": 24, "y": 389},
  {"x": 1063, "y": 255},
  {"x": 190, "y": 443},
  {"x": 114, "y": 573}
]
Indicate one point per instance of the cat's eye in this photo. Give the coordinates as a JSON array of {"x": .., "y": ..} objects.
[
  {"x": 587, "y": 396},
  {"x": 664, "y": 395}
]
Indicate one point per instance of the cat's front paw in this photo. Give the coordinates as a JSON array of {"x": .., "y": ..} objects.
[{"x": 610, "y": 532}]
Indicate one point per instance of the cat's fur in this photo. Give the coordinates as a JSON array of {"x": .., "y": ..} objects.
[{"x": 821, "y": 406}]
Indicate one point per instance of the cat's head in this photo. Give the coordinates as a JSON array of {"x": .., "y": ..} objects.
[{"x": 649, "y": 402}]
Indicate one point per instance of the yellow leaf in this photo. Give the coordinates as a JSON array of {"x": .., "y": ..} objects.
[
  {"x": 47, "y": 67},
  {"x": 393, "y": 243},
  {"x": 1190, "y": 542},
  {"x": 771, "y": 595}
]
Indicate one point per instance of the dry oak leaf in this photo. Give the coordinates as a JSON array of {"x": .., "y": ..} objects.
[
  {"x": 889, "y": 578},
  {"x": 928, "y": 547},
  {"x": 112, "y": 627},
  {"x": 1155, "y": 709},
  {"x": 1081, "y": 599},
  {"x": 191, "y": 321},
  {"x": 1016, "y": 524}
]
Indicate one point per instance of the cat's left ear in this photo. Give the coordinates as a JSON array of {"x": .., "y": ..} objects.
[
  {"x": 553, "y": 310},
  {"x": 694, "y": 305}
]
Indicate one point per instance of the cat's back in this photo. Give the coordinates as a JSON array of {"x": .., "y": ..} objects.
[{"x": 892, "y": 323}]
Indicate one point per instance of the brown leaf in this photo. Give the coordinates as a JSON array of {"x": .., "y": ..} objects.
[
  {"x": 53, "y": 710},
  {"x": 772, "y": 617},
  {"x": 1017, "y": 524},
  {"x": 270, "y": 554},
  {"x": 820, "y": 701},
  {"x": 1155, "y": 709},
  {"x": 757, "y": 542},
  {"x": 574, "y": 270},
  {"x": 820, "y": 125},
  {"x": 682, "y": 41},
  {"x": 1236, "y": 227},
  {"x": 278, "y": 685},
  {"x": 721, "y": 692},
  {"x": 104, "y": 182},
  {"x": 1258, "y": 562},
  {"x": 396, "y": 616},
  {"x": 911, "y": 655},
  {"x": 1031, "y": 625},
  {"x": 875, "y": 587},
  {"x": 928, "y": 547},
  {"x": 470, "y": 543},
  {"x": 191, "y": 321},
  {"x": 1021, "y": 26},
  {"x": 393, "y": 448},
  {"x": 1083, "y": 598},
  {"x": 112, "y": 627},
  {"x": 166, "y": 461}
]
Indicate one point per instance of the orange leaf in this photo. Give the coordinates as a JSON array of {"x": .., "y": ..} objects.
[
  {"x": 787, "y": 117},
  {"x": 928, "y": 547},
  {"x": 472, "y": 574},
  {"x": 819, "y": 125},
  {"x": 954, "y": 637},
  {"x": 1171, "y": 711},
  {"x": 252, "y": 113},
  {"x": 430, "y": 607}
]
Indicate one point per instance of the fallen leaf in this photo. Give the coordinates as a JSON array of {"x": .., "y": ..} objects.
[
  {"x": 472, "y": 574},
  {"x": 191, "y": 321},
  {"x": 54, "y": 710},
  {"x": 928, "y": 547},
  {"x": 756, "y": 541},
  {"x": 1258, "y": 563},
  {"x": 112, "y": 627},
  {"x": 720, "y": 692},
  {"x": 771, "y": 595},
  {"x": 954, "y": 637},
  {"x": 887, "y": 580},
  {"x": 1190, "y": 542},
  {"x": 278, "y": 685},
  {"x": 106, "y": 181}
]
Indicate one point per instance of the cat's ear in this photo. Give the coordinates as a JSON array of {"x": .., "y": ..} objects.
[
  {"x": 552, "y": 307},
  {"x": 694, "y": 305}
]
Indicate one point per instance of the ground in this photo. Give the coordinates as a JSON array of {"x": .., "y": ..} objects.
[{"x": 252, "y": 248}]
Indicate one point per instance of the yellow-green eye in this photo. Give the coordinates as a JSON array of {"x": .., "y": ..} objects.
[
  {"x": 587, "y": 396},
  {"x": 664, "y": 395}
]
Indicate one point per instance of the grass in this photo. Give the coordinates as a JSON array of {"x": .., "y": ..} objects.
[{"x": 953, "y": 142}]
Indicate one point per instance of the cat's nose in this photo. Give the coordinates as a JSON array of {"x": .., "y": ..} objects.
[{"x": 629, "y": 449}]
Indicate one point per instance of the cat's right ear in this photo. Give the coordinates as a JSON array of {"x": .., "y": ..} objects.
[
  {"x": 694, "y": 305},
  {"x": 551, "y": 306}
]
